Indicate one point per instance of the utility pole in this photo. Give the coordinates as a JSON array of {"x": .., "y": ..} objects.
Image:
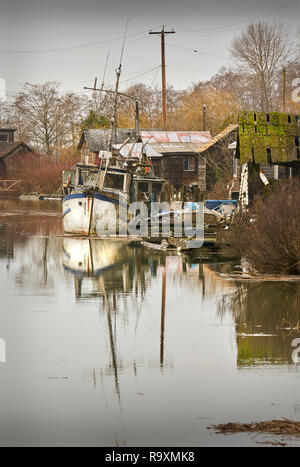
[
  {"x": 163, "y": 72},
  {"x": 204, "y": 117}
]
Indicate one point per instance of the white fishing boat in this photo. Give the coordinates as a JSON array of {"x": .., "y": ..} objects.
[
  {"x": 91, "y": 201},
  {"x": 95, "y": 203}
]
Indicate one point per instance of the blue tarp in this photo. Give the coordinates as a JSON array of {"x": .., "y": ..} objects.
[{"x": 216, "y": 203}]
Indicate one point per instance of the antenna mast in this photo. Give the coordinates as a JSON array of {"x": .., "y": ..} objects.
[{"x": 113, "y": 125}]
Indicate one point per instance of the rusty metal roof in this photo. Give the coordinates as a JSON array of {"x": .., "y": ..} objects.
[
  {"x": 154, "y": 136},
  {"x": 136, "y": 149},
  {"x": 155, "y": 142}
]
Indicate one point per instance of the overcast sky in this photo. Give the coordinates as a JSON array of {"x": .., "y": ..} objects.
[{"x": 68, "y": 40}]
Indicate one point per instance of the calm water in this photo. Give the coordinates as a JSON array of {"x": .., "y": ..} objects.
[{"x": 109, "y": 344}]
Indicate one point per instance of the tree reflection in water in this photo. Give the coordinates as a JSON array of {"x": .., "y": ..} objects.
[{"x": 267, "y": 317}]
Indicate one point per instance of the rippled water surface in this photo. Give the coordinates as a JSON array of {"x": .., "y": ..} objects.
[{"x": 109, "y": 344}]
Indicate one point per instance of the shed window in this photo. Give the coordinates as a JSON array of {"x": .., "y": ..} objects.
[
  {"x": 4, "y": 138},
  {"x": 189, "y": 163}
]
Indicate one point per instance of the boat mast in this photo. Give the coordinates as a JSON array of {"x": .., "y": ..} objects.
[{"x": 113, "y": 124}]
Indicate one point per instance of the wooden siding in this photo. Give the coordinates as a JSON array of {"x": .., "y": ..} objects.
[
  {"x": 88, "y": 157},
  {"x": 171, "y": 168}
]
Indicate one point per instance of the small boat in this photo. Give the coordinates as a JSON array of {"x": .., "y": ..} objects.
[{"x": 95, "y": 202}]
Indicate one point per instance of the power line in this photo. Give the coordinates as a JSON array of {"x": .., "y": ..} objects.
[
  {"x": 85, "y": 46},
  {"x": 155, "y": 76},
  {"x": 228, "y": 26},
  {"x": 196, "y": 51},
  {"x": 141, "y": 74}
]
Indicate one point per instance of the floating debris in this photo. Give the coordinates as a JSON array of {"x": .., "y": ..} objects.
[
  {"x": 272, "y": 443},
  {"x": 275, "y": 427},
  {"x": 57, "y": 377}
]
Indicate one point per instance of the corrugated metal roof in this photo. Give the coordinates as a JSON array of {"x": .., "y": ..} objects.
[
  {"x": 156, "y": 149},
  {"x": 155, "y": 142},
  {"x": 170, "y": 148},
  {"x": 175, "y": 136},
  {"x": 135, "y": 150}
]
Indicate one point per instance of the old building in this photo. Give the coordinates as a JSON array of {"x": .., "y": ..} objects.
[
  {"x": 214, "y": 156},
  {"x": 95, "y": 140},
  {"x": 178, "y": 161},
  {"x": 10, "y": 150},
  {"x": 270, "y": 142},
  {"x": 172, "y": 153}
]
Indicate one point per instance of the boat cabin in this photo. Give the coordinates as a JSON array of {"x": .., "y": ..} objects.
[
  {"x": 114, "y": 180},
  {"x": 148, "y": 189}
]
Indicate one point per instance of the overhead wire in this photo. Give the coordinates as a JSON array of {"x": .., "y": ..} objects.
[
  {"x": 228, "y": 26},
  {"x": 61, "y": 49},
  {"x": 141, "y": 74},
  {"x": 196, "y": 51}
]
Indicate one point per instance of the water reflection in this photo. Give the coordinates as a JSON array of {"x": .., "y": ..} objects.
[
  {"x": 112, "y": 342},
  {"x": 267, "y": 317},
  {"x": 6, "y": 242},
  {"x": 118, "y": 275}
]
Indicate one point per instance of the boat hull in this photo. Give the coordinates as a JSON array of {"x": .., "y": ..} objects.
[{"x": 85, "y": 213}]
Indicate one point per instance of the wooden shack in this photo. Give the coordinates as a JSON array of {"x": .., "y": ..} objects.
[
  {"x": 11, "y": 150},
  {"x": 95, "y": 140},
  {"x": 172, "y": 153}
]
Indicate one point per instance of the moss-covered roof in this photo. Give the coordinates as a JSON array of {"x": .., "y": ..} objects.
[{"x": 269, "y": 137}]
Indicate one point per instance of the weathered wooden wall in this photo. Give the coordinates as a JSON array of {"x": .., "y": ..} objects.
[{"x": 171, "y": 168}]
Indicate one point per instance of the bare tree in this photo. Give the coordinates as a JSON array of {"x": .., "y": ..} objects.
[
  {"x": 45, "y": 118},
  {"x": 263, "y": 49}
]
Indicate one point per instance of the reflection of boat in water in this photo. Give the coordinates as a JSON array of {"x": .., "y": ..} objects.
[{"x": 93, "y": 257}]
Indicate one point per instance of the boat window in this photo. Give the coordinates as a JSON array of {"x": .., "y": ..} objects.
[
  {"x": 157, "y": 188},
  {"x": 143, "y": 187},
  {"x": 87, "y": 178},
  {"x": 115, "y": 181}
]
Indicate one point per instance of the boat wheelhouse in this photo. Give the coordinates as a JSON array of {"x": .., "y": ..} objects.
[{"x": 93, "y": 203}]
